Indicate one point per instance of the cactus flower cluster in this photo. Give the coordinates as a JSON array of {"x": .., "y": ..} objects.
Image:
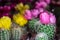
[
  {"x": 21, "y": 8},
  {"x": 20, "y": 19},
  {"x": 27, "y": 17},
  {"x": 46, "y": 18},
  {"x": 5, "y": 23}
]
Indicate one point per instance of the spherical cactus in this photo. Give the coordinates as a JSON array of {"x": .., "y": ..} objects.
[
  {"x": 37, "y": 26},
  {"x": 31, "y": 24},
  {"x": 48, "y": 29},
  {"x": 5, "y": 25},
  {"x": 5, "y": 35},
  {"x": 17, "y": 31},
  {"x": 41, "y": 36}
]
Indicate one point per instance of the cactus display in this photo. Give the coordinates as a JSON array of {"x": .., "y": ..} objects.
[{"x": 26, "y": 17}]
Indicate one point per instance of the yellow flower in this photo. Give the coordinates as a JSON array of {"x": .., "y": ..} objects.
[
  {"x": 1, "y": 25},
  {"x": 21, "y": 8},
  {"x": 6, "y": 22},
  {"x": 20, "y": 19},
  {"x": 26, "y": 7}
]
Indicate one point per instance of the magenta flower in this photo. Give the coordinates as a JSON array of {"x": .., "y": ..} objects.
[
  {"x": 7, "y": 8},
  {"x": 29, "y": 0},
  {"x": 52, "y": 19},
  {"x": 5, "y": 14},
  {"x": 24, "y": 1},
  {"x": 1, "y": 9},
  {"x": 12, "y": 5},
  {"x": 28, "y": 14},
  {"x": 35, "y": 12},
  {"x": 44, "y": 18},
  {"x": 41, "y": 4},
  {"x": 41, "y": 10},
  {"x": 47, "y": 1}
]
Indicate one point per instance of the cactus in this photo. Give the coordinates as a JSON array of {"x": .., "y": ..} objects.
[
  {"x": 48, "y": 29},
  {"x": 17, "y": 32},
  {"x": 31, "y": 24},
  {"x": 5, "y": 34},
  {"x": 41, "y": 36},
  {"x": 37, "y": 26}
]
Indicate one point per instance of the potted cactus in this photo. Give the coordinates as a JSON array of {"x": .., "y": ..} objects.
[{"x": 5, "y": 25}]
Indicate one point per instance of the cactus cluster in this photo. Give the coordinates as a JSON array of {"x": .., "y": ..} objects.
[
  {"x": 38, "y": 27},
  {"x": 29, "y": 15}
]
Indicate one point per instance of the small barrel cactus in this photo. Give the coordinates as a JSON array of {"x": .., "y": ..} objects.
[
  {"x": 37, "y": 26},
  {"x": 17, "y": 31},
  {"x": 31, "y": 24},
  {"x": 41, "y": 36},
  {"x": 48, "y": 29},
  {"x": 5, "y": 25},
  {"x": 5, "y": 34}
]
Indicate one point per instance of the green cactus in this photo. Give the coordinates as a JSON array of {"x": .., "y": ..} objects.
[
  {"x": 17, "y": 31},
  {"x": 31, "y": 24},
  {"x": 48, "y": 29},
  {"x": 41, "y": 36},
  {"x": 5, "y": 34},
  {"x": 37, "y": 26}
]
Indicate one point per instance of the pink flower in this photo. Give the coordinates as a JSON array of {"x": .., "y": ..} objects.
[
  {"x": 44, "y": 18},
  {"x": 52, "y": 19},
  {"x": 35, "y": 12},
  {"x": 41, "y": 4},
  {"x": 37, "y": 5},
  {"x": 24, "y": 1},
  {"x": 28, "y": 14},
  {"x": 47, "y": 1},
  {"x": 41, "y": 10}
]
